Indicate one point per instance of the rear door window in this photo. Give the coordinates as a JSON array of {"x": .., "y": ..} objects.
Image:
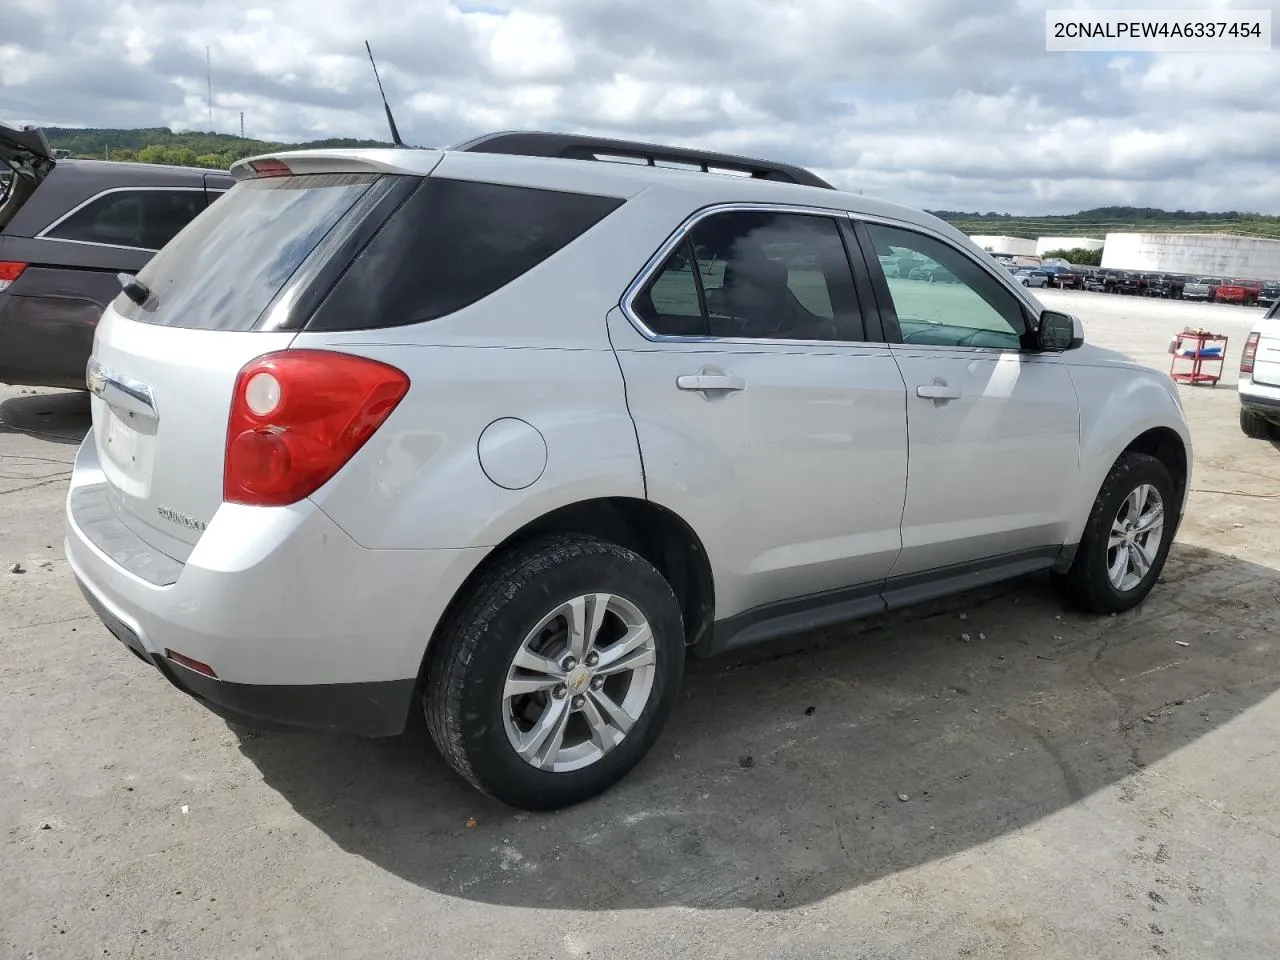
[
  {"x": 144, "y": 219},
  {"x": 451, "y": 244},
  {"x": 224, "y": 271},
  {"x": 759, "y": 275}
]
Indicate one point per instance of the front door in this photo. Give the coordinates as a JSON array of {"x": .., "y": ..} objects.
[
  {"x": 993, "y": 429},
  {"x": 765, "y": 419}
]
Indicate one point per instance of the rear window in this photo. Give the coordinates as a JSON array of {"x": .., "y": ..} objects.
[
  {"x": 227, "y": 266},
  {"x": 452, "y": 243}
]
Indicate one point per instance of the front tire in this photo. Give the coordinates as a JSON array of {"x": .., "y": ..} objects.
[
  {"x": 556, "y": 673},
  {"x": 1256, "y": 428},
  {"x": 1127, "y": 538}
]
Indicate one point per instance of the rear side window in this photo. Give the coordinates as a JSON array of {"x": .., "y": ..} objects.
[
  {"x": 224, "y": 271},
  {"x": 451, "y": 244},
  {"x": 144, "y": 219}
]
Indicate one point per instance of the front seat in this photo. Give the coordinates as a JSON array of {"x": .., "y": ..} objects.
[{"x": 756, "y": 296}]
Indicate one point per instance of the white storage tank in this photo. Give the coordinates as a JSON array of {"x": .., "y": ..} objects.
[
  {"x": 1045, "y": 244},
  {"x": 1202, "y": 254},
  {"x": 1008, "y": 246}
]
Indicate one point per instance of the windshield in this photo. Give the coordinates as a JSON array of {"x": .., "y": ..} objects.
[{"x": 225, "y": 267}]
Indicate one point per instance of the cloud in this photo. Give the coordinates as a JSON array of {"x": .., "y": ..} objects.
[{"x": 938, "y": 103}]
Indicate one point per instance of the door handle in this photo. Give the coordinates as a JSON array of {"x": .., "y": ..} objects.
[
  {"x": 939, "y": 391},
  {"x": 710, "y": 382}
]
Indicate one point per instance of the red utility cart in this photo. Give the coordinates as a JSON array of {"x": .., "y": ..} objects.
[{"x": 1205, "y": 353}]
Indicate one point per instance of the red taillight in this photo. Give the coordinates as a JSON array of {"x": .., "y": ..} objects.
[
  {"x": 10, "y": 270},
  {"x": 270, "y": 168},
  {"x": 1250, "y": 351},
  {"x": 297, "y": 417}
]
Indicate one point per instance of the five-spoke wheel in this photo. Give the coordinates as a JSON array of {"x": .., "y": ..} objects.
[
  {"x": 557, "y": 672},
  {"x": 1127, "y": 537},
  {"x": 578, "y": 682}
]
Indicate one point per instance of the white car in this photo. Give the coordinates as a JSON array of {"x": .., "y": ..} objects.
[
  {"x": 1259, "y": 384},
  {"x": 503, "y": 431}
]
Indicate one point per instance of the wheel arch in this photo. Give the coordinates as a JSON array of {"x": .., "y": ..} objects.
[
  {"x": 653, "y": 531},
  {"x": 1168, "y": 447}
]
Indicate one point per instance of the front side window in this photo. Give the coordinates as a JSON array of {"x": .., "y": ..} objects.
[
  {"x": 944, "y": 298},
  {"x": 146, "y": 219},
  {"x": 756, "y": 275}
]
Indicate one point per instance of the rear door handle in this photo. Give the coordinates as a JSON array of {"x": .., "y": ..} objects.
[
  {"x": 124, "y": 393},
  {"x": 939, "y": 391},
  {"x": 710, "y": 382}
]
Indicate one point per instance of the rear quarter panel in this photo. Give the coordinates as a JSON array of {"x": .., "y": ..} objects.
[
  {"x": 535, "y": 350},
  {"x": 419, "y": 482},
  {"x": 1119, "y": 401}
]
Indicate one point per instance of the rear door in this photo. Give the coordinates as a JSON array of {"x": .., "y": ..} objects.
[
  {"x": 162, "y": 372},
  {"x": 25, "y": 160},
  {"x": 993, "y": 430},
  {"x": 766, "y": 415}
]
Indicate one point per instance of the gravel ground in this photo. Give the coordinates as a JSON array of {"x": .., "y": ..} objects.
[{"x": 1055, "y": 787}]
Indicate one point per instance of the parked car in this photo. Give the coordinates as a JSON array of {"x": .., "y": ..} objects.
[
  {"x": 1243, "y": 292},
  {"x": 1127, "y": 282},
  {"x": 1259, "y": 383},
  {"x": 1202, "y": 288},
  {"x": 932, "y": 273},
  {"x": 1166, "y": 285},
  {"x": 1268, "y": 295},
  {"x": 67, "y": 227},
  {"x": 1095, "y": 281},
  {"x": 1031, "y": 278},
  {"x": 336, "y": 472},
  {"x": 1062, "y": 277}
]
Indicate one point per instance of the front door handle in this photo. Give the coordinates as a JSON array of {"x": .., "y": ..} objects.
[
  {"x": 710, "y": 382},
  {"x": 939, "y": 391}
]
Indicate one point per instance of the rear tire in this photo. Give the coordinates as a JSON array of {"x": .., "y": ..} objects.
[
  {"x": 1256, "y": 428},
  {"x": 514, "y": 631},
  {"x": 1116, "y": 563}
]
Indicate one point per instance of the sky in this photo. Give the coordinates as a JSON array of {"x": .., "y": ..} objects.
[{"x": 942, "y": 105}]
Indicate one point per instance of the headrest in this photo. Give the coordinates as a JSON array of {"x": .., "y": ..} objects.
[{"x": 757, "y": 270}]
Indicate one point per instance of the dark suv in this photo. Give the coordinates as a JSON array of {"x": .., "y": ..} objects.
[{"x": 67, "y": 227}]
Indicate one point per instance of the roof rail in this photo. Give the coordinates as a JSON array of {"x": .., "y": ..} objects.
[{"x": 571, "y": 146}]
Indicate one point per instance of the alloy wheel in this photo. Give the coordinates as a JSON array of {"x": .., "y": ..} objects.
[{"x": 579, "y": 682}]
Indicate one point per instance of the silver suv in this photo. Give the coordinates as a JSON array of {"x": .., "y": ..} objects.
[{"x": 503, "y": 431}]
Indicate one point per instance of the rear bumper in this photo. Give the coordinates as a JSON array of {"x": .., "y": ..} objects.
[
  {"x": 1260, "y": 399},
  {"x": 301, "y": 625},
  {"x": 375, "y": 709}
]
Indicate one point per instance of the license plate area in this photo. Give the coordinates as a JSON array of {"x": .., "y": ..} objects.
[
  {"x": 127, "y": 447},
  {"x": 122, "y": 443}
]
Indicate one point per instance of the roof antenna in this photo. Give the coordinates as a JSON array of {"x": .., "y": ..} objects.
[{"x": 391, "y": 121}]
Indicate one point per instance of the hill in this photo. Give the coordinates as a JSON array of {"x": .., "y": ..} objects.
[
  {"x": 1100, "y": 221},
  {"x": 220, "y": 150},
  {"x": 160, "y": 145}
]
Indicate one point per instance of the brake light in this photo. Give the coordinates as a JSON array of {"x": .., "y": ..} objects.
[
  {"x": 10, "y": 271},
  {"x": 297, "y": 417},
  {"x": 270, "y": 168},
  {"x": 1250, "y": 352}
]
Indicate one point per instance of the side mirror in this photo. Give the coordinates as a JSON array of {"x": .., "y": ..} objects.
[{"x": 1059, "y": 331}]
